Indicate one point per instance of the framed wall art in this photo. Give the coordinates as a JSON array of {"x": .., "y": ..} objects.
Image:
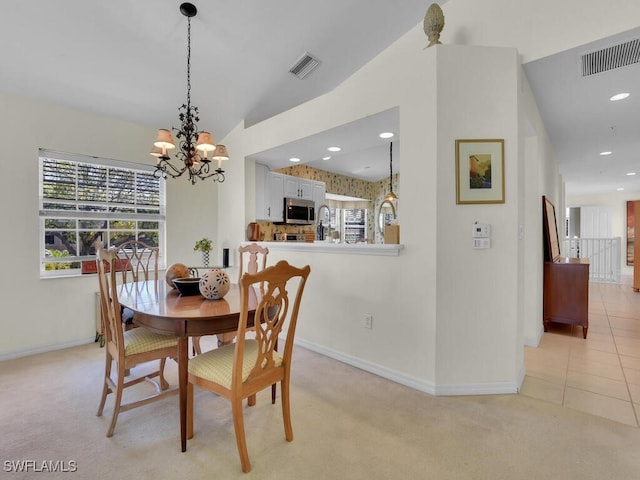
[
  {"x": 550, "y": 231},
  {"x": 479, "y": 171}
]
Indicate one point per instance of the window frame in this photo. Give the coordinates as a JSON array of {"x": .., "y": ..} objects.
[{"x": 107, "y": 217}]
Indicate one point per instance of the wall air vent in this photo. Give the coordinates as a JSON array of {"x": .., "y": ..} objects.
[
  {"x": 304, "y": 66},
  {"x": 610, "y": 58}
]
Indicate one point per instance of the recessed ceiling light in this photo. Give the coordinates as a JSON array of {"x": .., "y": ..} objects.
[
  {"x": 334, "y": 149},
  {"x": 605, "y": 153},
  {"x": 619, "y": 189},
  {"x": 327, "y": 158},
  {"x": 294, "y": 159},
  {"x": 619, "y": 96},
  {"x": 386, "y": 135},
  {"x": 630, "y": 174}
]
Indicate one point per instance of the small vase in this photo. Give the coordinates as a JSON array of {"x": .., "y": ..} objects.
[{"x": 205, "y": 259}]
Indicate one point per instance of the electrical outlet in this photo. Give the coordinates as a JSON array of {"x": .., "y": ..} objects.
[{"x": 368, "y": 321}]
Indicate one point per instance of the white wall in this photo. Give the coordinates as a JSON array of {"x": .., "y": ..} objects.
[
  {"x": 540, "y": 177},
  {"x": 477, "y": 296},
  {"x": 42, "y": 314},
  {"x": 427, "y": 331},
  {"x": 398, "y": 291}
]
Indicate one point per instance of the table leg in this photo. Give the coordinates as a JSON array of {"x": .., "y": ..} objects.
[{"x": 183, "y": 368}]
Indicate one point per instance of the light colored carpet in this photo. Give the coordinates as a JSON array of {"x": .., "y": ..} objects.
[{"x": 348, "y": 424}]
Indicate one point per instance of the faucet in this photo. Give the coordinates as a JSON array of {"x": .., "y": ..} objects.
[{"x": 328, "y": 233}]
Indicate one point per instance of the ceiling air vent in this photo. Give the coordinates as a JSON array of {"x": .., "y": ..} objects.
[
  {"x": 304, "y": 66},
  {"x": 610, "y": 58}
]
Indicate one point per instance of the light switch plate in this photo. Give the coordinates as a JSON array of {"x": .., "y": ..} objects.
[{"x": 481, "y": 243}]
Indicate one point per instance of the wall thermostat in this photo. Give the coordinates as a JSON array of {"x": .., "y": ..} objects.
[
  {"x": 481, "y": 234},
  {"x": 481, "y": 230}
]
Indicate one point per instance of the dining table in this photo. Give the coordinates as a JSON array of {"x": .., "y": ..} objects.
[{"x": 162, "y": 309}]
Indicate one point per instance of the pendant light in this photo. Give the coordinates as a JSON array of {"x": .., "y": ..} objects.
[
  {"x": 391, "y": 196},
  {"x": 194, "y": 145}
]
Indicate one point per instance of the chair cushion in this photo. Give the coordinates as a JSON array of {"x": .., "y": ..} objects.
[
  {"x": 217, "y": 365},
  {"x": 141, "y": 340}
]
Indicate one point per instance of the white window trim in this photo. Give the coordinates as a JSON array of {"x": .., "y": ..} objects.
[{"x": 43, "y": 214}]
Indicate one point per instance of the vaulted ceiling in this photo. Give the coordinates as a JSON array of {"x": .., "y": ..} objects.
[{"x": 127, "y": 59}]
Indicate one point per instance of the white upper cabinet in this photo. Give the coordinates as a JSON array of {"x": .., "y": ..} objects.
[
  {"x": 319, "y": 194},
  {"x": 269, "y": 194},
  {"x": 272, "y": 188},
  {"x": 295, "y": 187},
  {"x": 261, "y": 188},
  {"x": 275, "y": 210}
]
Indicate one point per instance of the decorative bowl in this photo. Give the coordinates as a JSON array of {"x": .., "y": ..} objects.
[
  {"x": 214, "y": 284},
  {"x": 187, "y": 286}
]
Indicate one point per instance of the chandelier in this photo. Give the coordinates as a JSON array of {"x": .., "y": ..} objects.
[
  {"x": 194, "y": 144},
  {"x": 391, "y": 196}
]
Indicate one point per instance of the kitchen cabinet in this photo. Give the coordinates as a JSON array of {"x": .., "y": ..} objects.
[
  {"x": 269, "y": 194},
  {"x": 272, "y": 188},
  {"x": 295, "y": 187},
  {"x": 319, "y": 194}
]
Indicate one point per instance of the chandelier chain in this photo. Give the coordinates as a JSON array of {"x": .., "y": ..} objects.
[
  {"x": 188, "y": 63},
  {"x": 390, "y": 166}
]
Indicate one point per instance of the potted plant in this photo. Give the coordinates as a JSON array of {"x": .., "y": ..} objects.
[{"x": 204, "y": 245}]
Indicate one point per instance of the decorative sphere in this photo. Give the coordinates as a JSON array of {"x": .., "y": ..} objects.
[
  {"x": 177, "y": 270},
  {"x": 214, "y": 284}
]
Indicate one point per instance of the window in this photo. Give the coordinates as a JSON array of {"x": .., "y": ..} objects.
[
  {"x": 355, "y": 225},
  {"x": 85, "y": 198},
  {"x": 349, "y": 224}
]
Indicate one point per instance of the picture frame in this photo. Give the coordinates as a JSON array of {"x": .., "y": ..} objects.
[
  {"x": 550, "y": 229},
  {"x": 479, "y": 171}
]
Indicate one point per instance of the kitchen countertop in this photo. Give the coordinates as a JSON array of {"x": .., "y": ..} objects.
[{"x": 336, "y": 248}]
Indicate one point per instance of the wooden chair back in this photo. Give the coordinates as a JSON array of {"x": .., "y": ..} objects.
[
  {"x": 106, "y": 261},
  {"x": 276, "y": 312},
  {"x": 140, "y": 261},
  {"x": 253, "y": 258}
]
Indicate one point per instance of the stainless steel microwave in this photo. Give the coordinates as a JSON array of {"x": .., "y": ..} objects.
[{"x": 299, "y": 212}]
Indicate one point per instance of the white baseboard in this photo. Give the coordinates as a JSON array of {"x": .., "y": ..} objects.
[
  {"x": 412, "y": 382},
  {"x": 495, "y": 388},
  {"x": 46, "y": 348},
  {"x": 534, "y": 342}
]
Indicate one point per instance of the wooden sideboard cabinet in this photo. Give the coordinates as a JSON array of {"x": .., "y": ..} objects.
[{"x": 566, "y": 292}]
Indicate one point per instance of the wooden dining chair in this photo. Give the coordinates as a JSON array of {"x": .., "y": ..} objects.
[
  {"x": 127, "y": 348},
  {"x": 137, "y": 261},
  {"x": 252, "y": 259},
  {"x": 241, "y": 369}
]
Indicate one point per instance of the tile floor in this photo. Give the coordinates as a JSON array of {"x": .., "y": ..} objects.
[{"x": 599, "y": 375}]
